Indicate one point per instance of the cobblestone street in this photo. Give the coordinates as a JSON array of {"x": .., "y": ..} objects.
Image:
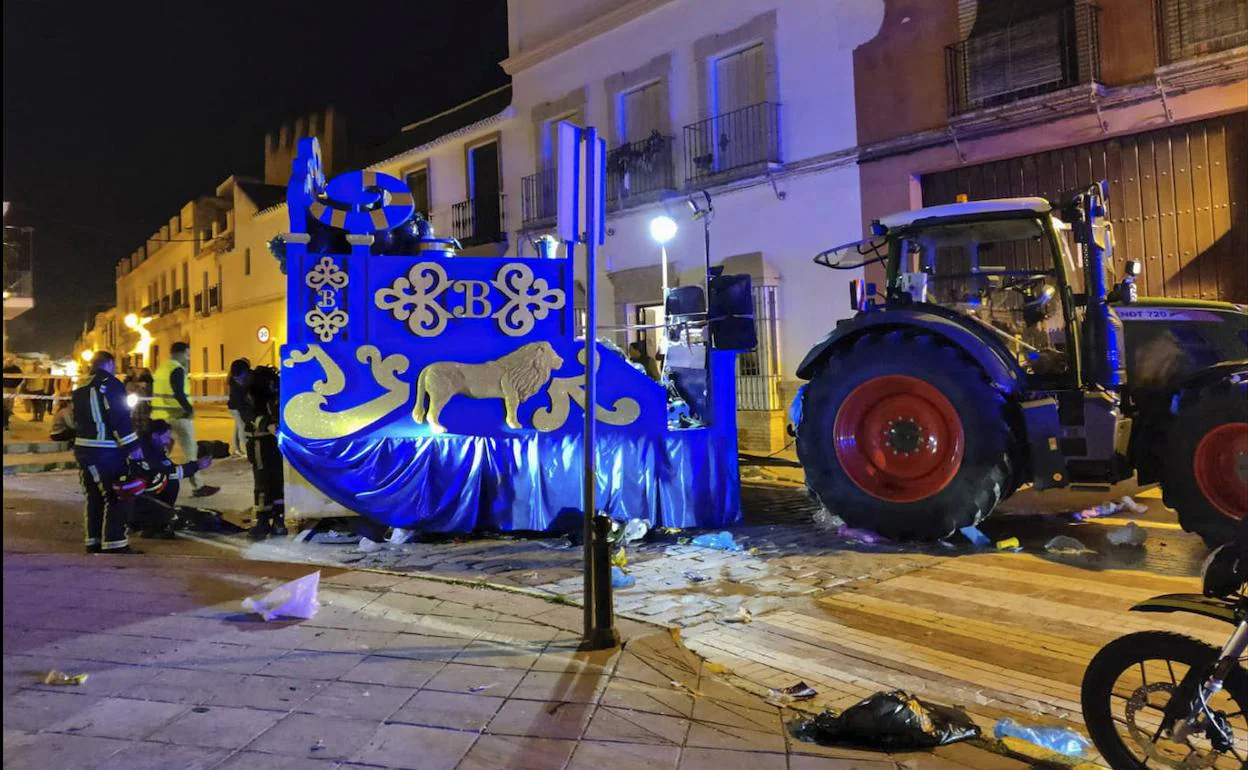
[{"x": 1001, "y": 634}]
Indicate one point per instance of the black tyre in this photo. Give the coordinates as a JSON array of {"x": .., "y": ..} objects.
[
  {"x": 1206, "y": 464},
  {"x": 902, "y": 434},
  {"x": 1128, "y": 685}
]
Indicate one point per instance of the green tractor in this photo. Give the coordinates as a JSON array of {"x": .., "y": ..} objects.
[{"x": 1001, "y": 354}]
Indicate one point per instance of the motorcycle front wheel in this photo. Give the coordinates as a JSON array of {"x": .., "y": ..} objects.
[{"x": 1128, "y": 686}]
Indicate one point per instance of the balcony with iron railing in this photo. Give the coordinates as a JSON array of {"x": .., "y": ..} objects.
[
  {"x": 640, "y": 171},
  {"x": 1040, "y": 54},
  {"x": 736, "y": 142},
  {"x": 1191, "y": 28},
  {"x": 475, "y": 222},
  {"x": 537, "y": 199}
]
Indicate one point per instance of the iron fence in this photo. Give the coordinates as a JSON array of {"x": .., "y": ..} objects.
[
  {"x": 758, "y": 371},
  {"x": 637, "y": 169},
  {"x": 537, "y": 198},
  {"x": 1043, "y": 53},
  {"x": 476, "y": 221},
  {"x": 736, "y": 140},
  {"x": 1191, "y": 28}
]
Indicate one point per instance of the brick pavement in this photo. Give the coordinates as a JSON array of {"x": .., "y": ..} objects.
[{"x": 393, "y": 672}]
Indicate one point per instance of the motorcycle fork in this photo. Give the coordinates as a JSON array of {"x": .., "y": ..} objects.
[{"x": 1213, "y": 683}]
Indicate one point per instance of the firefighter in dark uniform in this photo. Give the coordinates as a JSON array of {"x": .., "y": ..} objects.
[
  {"x": 265, "y": 455},
  {"x": 104, "y": 439}
]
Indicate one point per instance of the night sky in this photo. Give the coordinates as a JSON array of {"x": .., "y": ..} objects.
[{"x": 117, "y": 114}]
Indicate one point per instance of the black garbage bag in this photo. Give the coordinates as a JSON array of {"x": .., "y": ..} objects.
[{"x": 889, "y": 721}]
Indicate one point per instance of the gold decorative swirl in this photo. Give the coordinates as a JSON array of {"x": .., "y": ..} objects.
[
  {"x": 564, "y": 390},
  {"x": 305, "y": 413}
]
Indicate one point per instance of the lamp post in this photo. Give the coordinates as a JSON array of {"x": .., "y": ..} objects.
[{"x": 663, "y": 229}]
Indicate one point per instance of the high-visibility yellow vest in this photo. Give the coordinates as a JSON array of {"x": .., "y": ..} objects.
[{"x": 164, "y": 405}]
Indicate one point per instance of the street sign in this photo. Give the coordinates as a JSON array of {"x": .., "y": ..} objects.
[
  {"x": 580, "y": 150},
  {"x": 262, "y": 334}
]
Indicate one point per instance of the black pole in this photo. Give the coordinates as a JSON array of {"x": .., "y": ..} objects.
[{"x": 600, "y": 633}]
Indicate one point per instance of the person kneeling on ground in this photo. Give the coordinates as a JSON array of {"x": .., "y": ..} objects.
[
  {"x": 63, "y": 424},
  {"x": 264, "y": 454},
  {"x": 155, "y": 510}
]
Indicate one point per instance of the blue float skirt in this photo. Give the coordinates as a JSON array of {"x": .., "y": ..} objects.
[{"x": 455, "y": 483}]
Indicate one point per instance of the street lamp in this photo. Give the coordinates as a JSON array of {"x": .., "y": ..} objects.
[
  {"x": 663, "y": 229},
  {"x": 87, "y": 355}
]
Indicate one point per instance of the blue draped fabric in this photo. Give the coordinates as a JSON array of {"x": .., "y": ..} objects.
[{"x": 460, "y": 483}]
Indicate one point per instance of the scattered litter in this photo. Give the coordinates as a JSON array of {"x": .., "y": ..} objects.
[
  {"x": 720, "y": 541},
  {"x": 742, "y": 615},
  {"x": 855, "y": 535},
  {"x": 303, "y": 536},
  {"x": 977, "y": 538},
  {"x": 60, "y": 677},
  {"x": 619, "y": 558},
  {"x": 635, "y": 530},
  {"x": 1066, "y": 546},
  {"x": 1009, "y": 544},
  {"x": 696, "y": 577},
  {"x": 621, "y": 580},
  {"x": 201, "y": 709},
  {"x": 399, "y": 536},
  {"x": 369, "y": 546},
  {"x": 893, "y": 721},
  {"x": 825, "y": 519},
  {"x": 334, "y": 537},
  {"x": 296, "y": 599},
  {"x": 482, "y": 687},
  {"x": 24, "y": 513},
  {"x": 1059, "y": 739},
  {"x": 1131, "y": 534},
  {"x": 320, "y": 744},
  {"x": 683, "y": 541},
  {"x": 799, "y": 691},
  {"x": 1111, "y": 507}
]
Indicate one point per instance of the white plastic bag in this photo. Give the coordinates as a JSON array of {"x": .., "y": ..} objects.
[{"x": 296, "y": 599}]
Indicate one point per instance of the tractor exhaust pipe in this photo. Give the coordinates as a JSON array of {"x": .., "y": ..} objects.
[{"x": 1102, "y": 330}]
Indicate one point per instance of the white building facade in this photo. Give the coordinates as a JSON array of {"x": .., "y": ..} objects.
[{"x": 749, "y": 100}]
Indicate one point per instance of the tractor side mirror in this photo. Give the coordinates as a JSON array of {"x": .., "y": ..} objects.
[
  {"x": 1127, "y": 292},
  {"x": 857, "y": 296}
]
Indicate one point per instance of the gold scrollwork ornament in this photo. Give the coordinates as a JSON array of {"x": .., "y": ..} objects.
[
  {"x": 305, "y": 414},
  {"x": 326, "y": 273},
  {"x": 414, "y": 299},
  {"x": 564, "y": 390},
  {"x": 529, "y": 299},
  {"x": 326, "y": 325}
]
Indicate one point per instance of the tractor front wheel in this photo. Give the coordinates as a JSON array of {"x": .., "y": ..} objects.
[
  {"x": 1206, "y": 471},
  {"x": 902, "y": 434}
]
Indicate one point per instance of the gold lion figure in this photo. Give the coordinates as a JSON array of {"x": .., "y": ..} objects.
[{"x": 514, "y": 378}]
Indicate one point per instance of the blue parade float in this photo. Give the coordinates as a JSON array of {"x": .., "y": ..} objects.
[{"x": 430, "y": 391}]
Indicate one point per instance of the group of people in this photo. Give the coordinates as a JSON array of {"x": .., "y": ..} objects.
[
  {"x": 130, "y": 482},
  {"x": 36, "y": 387}
]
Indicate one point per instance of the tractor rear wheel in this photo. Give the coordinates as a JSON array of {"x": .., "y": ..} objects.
[
  {"x": 902, "y": 434},
  {"x": 1206, "y": 472}
]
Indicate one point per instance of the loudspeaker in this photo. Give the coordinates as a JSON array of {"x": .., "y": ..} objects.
[
  {"x": 683, "y": 304},
  {"x": 731, "y": 311}
]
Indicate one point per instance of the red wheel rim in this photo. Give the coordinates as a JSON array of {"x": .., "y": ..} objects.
[
  {"x": 898, "y": 438},
  {"x": 1221, "y": 467}
]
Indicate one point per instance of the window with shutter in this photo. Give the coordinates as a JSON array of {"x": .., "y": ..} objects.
[
  {"x": 418, "y": 183},
  {"x": 739, "y": 80},
  {"x": 640, "y": 112}
]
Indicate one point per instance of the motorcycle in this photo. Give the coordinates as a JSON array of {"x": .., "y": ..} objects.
[{"x": 1158, "y": 699}]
